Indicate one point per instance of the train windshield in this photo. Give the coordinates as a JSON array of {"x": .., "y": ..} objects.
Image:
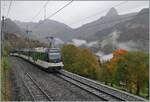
[{"x": 53, "y": 56}]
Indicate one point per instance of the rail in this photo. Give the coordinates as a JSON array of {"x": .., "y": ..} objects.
[
  {"x": 111, "y": 92},
  {"x": 36, "y": 92}
]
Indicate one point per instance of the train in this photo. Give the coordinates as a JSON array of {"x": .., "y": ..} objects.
[{"x": 49, "y": 59}]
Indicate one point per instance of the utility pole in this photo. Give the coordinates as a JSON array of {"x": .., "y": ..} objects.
[
  {"x": 2, "y": 36},
  {"x": 27, "y": 32}
]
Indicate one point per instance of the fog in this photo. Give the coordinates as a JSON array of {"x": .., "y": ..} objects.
[{"x": 79, "y": 42}]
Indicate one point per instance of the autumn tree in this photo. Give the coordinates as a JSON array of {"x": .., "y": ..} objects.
[
  {"x": 137, "y": 63},
  {"x": 121, "y": 72},
  {"x": 129, "y": 69},
  {"x": 69, "y": 56},
  {"x": 88, "y": 64},
  {"x": 105, "y": 75},
  {"x": 132, "y": 70},
  {"x": 81, "y": 61}
]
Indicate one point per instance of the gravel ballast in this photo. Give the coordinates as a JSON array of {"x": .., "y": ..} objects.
[{"x": 57, "y": 88}]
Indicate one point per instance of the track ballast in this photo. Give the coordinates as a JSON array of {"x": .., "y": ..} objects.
[{"x": 35, "y": 90}]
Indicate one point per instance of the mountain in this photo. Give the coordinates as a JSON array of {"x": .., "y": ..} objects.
[
  {"x": 112, "y": 12},
  {"x": 15, "y": 41},
  {"x": 133, "y": 32},
  {"x": 12, "y": 27},
  {"x": 109, "y": 20},
  {"x": 54, "y": 28},
  {"x": 46, "y": 28},
  {"x": 129, "y": 34},
  {"x": 128, "y": 29},
  {"x": 23, "y": 25},
  {"x": 16, "y": 36}
]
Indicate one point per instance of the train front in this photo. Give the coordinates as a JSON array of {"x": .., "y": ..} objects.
[{"x": 55, "y": 60}]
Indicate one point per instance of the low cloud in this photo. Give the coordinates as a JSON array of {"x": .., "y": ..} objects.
[
  {"x": 79, "y": 42},
  {"x": 111, "y": 39},
  {"x": 130, "y": 45}
]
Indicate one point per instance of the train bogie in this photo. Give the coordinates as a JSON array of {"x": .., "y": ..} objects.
[{"x": 54, "y": 69}]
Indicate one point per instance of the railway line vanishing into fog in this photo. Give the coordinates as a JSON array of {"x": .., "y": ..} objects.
[{"x": 62, "y": 86}]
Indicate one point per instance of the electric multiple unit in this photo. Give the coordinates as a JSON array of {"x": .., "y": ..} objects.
[{"x": 48, "y": 58}]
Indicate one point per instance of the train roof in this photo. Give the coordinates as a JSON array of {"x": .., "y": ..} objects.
[{"x": 40, "y": 49}]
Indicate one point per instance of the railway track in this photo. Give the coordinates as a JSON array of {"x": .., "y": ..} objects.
[
  {"x": 35, "y": 90},
  {"x": 97, "y": 92},
  {"x": 106, "y": 93}
]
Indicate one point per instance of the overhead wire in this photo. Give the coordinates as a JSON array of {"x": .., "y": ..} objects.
[
  {"x": 55, "y": 12},
  {"x": 60, "y": 9},
  {"x": 9, "y": 8},
  {"x": 3, "y": 8},
  {"x": 40, "y": 10}
]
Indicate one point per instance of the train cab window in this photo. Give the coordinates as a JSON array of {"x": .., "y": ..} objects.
[{"x": 54, "y": 56}]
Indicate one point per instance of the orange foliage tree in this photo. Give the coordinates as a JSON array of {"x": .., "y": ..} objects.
[
  {"x": 130, "y": 69},
  {"x": 109, "y": 68}
]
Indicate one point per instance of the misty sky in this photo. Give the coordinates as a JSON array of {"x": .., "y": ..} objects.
[{"x": 73, "y": 15}]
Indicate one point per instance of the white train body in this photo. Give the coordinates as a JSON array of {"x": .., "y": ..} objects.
[{"x": 49, "y": 59}]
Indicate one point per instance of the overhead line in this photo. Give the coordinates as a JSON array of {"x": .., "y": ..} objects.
[
  {"x": 40, "y": 10},
  {"x": 56, "y": 12},
  {"x": 9, "y": 8},
  {"x": 3, "y": 8},
  {"x": 60, "y": 9}
]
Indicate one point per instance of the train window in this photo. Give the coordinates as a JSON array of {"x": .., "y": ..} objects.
[
  {"x": 42, "y": 56},
  {"x": 53, "y": 56}
]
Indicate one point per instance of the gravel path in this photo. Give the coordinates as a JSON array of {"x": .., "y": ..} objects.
[{"x": 57, "y": 88}]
